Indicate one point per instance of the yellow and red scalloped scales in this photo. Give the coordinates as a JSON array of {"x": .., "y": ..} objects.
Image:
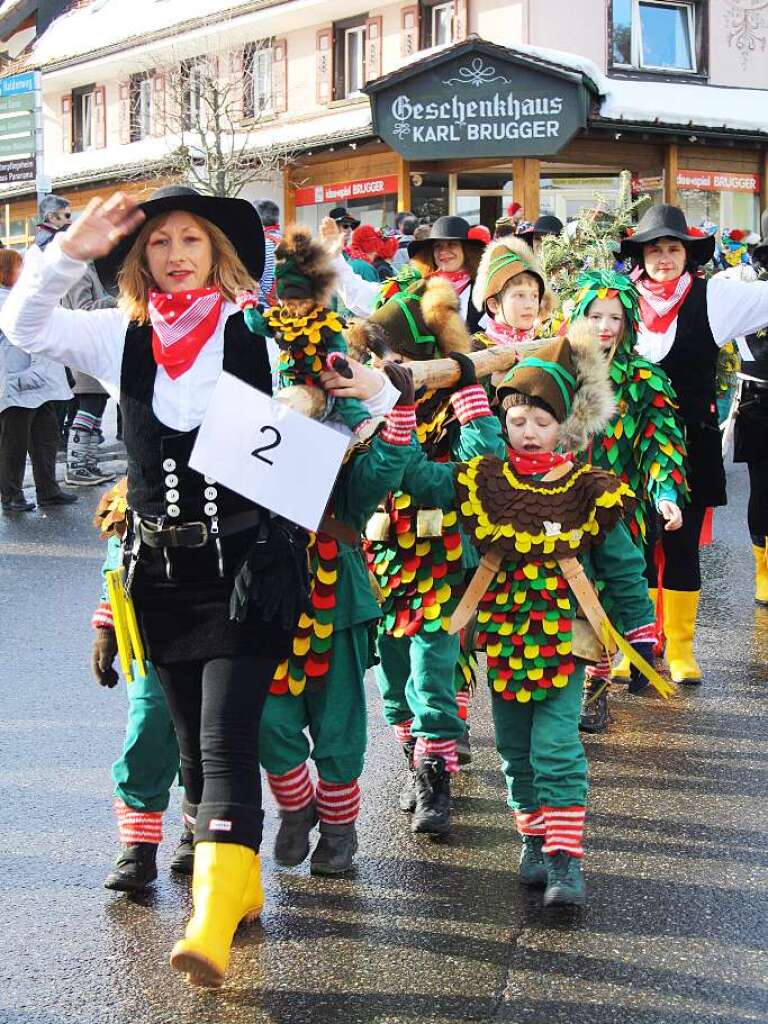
[
  {"x": 303, "y": 342},
  {"x": 310, "y": 659}
]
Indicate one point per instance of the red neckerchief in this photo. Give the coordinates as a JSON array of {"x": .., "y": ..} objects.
[
  {"x": 506, "y": 335},
  {"x": 536, "y": 463},
  {"x": 181, "y": 325},
  {"x": 660, "y": 301},
  {"x": 458, "y": 278}
]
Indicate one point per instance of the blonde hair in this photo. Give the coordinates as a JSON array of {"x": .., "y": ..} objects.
[{"x": 228, "y": 273}]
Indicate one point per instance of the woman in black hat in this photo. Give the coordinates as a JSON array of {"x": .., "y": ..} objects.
[
  {"x": 684, "y": 322},
  {"x": 450, "y": 252},
  {"x": 545, "y": 225},
  {"x": 179, "y": 260}
]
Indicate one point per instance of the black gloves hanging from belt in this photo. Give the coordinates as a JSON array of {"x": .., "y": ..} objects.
[{"x": 273, "y": 580}]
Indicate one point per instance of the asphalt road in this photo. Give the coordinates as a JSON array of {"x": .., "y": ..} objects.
[{"x": 676, "y": 931}]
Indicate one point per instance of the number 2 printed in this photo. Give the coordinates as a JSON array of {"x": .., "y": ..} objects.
[{"x": 257, "y": 452}]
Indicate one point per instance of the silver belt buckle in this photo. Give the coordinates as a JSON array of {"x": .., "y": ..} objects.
[{"x": 204, "y": 527}]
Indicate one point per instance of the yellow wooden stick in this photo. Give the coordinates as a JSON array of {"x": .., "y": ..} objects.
[
  {"x": 116, "y": 600},
  {"x": 665, "y": 689}
]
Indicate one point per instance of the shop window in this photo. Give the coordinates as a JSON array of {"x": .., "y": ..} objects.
[
  {"x": 141, "y": 106},
  {"x": 259, "y": 96},
  {"x": 83, "y": 118},
  {"x": 16, "y": 232},
  {"x": 437, "y": 23},
  {"x": 349, "y": 57},
  {"x": 658, "y": 36}
]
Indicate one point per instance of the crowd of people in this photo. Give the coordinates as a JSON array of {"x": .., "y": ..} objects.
[{"x": 526, "y": 486}]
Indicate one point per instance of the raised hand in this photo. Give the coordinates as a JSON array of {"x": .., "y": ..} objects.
[
  {"x": 331, "y": 236},
  {"x": 101, "y": 226}
]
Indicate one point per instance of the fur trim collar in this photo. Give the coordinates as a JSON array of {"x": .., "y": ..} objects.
[{"x": 594, "y": 404}]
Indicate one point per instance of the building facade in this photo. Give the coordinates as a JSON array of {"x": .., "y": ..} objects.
[{"x": 674, "y": 91}]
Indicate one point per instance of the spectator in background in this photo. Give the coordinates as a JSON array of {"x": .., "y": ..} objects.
[
  {"x": 369, "y": 253},
  {"x": 347, "y": 223},
  {"x": 29, "y": 387},
  {"x": 422, "y": 231},
  {"x": 405, "y": 225},
  {"x": 545, "y": 225},
  {"x": 269, "y": 213}
]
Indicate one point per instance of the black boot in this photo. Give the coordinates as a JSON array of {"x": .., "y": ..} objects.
[
  {"x": 134, "y": 869},
  {"x": 292, "y": 839},
  {"x": 594, "y": 706},
  {"x": 407, "y": 798},
  {"x": 183, "y": 860},
  {"x": 335, "y": 851},
  {"x": 432, "y": 813}
]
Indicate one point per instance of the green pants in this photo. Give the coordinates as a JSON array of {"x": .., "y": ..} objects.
[
  {"x": 417, "y": 679},
  {"x": 541, "y": 754},
  {"x": 335, "y": 715},
  {"x": 146, "y": 769}
]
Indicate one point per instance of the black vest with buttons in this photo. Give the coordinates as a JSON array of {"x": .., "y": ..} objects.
[{"x": 160, "y": 481}]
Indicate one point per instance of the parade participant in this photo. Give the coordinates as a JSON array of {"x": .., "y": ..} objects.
[
  {"x": 218, "y": 583},
  {"x": 684, "y": 322},
  {"x": 345, "y": 222},
  {"x": 448, "y": 252},
  {"x": 643, "y": 443},
  {"x": 531, "y": 517},
  {"x": 320, "y": 686},
  {"x": 751, "y": 427},
  {"x": 418, "y": 556},
  {"x": 370, "y": 253},
  {"x": 149, "y": 763},
  {"x": 543, "y": 226}
]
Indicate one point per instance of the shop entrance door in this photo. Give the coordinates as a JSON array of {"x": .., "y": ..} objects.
[{"x": 481, "y": 197}]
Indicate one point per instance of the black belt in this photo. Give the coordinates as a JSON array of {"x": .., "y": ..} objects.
[{"x": 195, "y": 534}]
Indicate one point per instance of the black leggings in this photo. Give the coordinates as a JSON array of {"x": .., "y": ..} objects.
[
  {"x": 681, "y": 550},
  {"x": 216, "y": 708},
  {"x": 757, "y": 510}
]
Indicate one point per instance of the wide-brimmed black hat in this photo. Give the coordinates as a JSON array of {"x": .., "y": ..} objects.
[
  {"x": 446, "y": 229},
  {"x": 342, "y": 216},
  {"x": 547, "y": 224},
  {"x": 665, "y": 221},
  {"x": 235, "y": 217}
]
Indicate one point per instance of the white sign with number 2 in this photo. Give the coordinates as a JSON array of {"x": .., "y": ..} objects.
[{"x": 265, "y": 451}]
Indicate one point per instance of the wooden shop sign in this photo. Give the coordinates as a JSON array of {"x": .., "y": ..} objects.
[{"x": 478, "y": 99}]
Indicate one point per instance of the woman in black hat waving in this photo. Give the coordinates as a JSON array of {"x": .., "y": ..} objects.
[
  {"x": 450, "y": 252},
  {"x": 684, "y": 322},
  {"x": 179, "y": 261}
]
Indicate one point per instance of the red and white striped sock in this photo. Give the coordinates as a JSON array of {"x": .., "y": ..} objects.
[
  {"x": 292, "y": 791},
  {"x": 138, "y": 826},
  {"x": 600, "y": 670},
  {"x": 437, "y": 748},
  {"x": 403, "y": 731},
  {"x": 530, "y": 823},
  {"x": 462, "y": 704},
  {"x": 564, "y": 830},
  {"x": 338, "y": 804}
]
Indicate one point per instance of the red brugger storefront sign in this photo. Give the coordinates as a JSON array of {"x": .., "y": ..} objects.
[
  {"x": 477, "y": 99},
  {"x": 343, "y": 191}
]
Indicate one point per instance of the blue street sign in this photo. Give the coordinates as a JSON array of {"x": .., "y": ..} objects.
[{"x": 15, "y": 84}]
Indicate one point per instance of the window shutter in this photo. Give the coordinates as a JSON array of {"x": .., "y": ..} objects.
[
  {"x": 100, "y": 117},
  {"x": 124, "y": 112},
  {"x": 324, "y": 65},
  {"x": 280, "y": 76},
  {"x": 158, "y": 124},
  {"x": 239, "y": 83},
  {"x": 460, "y": 20},
  {"x": 66, "y": 123},
  {"x": 409, "y": 30},
  {"x": 373, "y": 48}
]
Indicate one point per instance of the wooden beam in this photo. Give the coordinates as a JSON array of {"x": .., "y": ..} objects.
[
  {"x": 403, "y": 185},
  {"x": 671, "y": 165},
  {"x": 532, "y": 179}
]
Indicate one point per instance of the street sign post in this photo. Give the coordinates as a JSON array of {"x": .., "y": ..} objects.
[{"x": 21, "y": 142}]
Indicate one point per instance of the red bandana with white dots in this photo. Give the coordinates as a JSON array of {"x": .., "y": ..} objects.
[{"x": 181, "y": 325}]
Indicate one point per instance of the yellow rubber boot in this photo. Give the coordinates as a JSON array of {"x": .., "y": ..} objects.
[
  {"x": 226, "y": 888},
  {"x": 761, "y": 574},
  {"x": 621, "y": 671},
  {"x": 680, "y": 608}
]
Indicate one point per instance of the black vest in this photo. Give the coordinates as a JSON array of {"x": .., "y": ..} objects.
[{"x": 160, "y": 481}]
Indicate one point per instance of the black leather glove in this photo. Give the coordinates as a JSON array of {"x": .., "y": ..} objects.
[
  {"x": 467, "y": 370},
  {"x": 103, "y": 653},
  {"x": 274, "y": 577},
  {"x": 637, "y": 681},
  {"x": 402, "y": 378}
]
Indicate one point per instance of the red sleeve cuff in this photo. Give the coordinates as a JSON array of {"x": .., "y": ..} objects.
[
  {"x": 102, "y": 617},
  {"x": 470, "y": 404},
  {"x": 401, "y": 422}
]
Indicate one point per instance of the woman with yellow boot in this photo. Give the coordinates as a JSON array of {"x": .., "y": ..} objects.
[
  {"x": 685, "y": 320},
  {"x": 217, "y": 582}
]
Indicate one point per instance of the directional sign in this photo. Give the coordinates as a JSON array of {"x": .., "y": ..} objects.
[
  {"x": 15, "y": 104},
  {"x": 21, "y": 123},
  {"x": 18, "y": 100},
  {"x": 21, "y": 145},
  {"x": 17, "y": 170},
  {"x": 15, "y": 84}
]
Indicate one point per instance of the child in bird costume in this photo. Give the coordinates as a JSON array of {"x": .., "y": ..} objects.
[
  {"x": 417, "y": 553},
  {"x": 544, "y": 522},
  {"x": 149, "y": 763},
  {"x": 643, "y": 443}
]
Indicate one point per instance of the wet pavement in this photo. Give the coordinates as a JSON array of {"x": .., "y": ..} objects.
[{"x": 676, "y": 931}]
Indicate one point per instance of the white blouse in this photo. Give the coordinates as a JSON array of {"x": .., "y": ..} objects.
[{"x": 92, "y": 341}]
